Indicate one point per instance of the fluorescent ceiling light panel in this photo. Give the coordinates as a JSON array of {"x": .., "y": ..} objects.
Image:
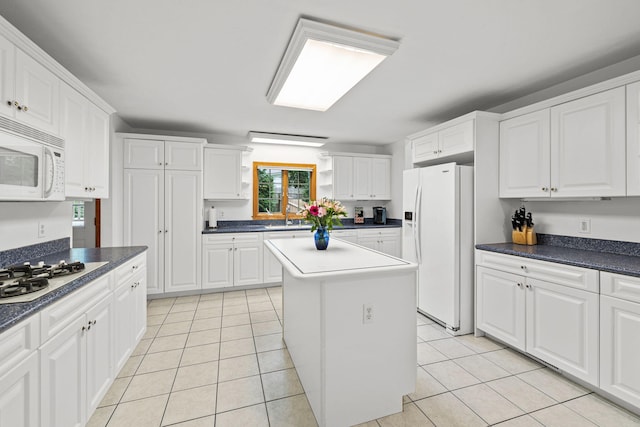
[
  {"x": 285, "y": 139},
  {"x": 323, "y": 62}
]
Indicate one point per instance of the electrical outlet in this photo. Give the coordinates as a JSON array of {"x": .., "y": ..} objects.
[
  {"x": 367, "y": 313},
  {"x": 220, "y": 213},
  {"x": 585, "y": 226},
  {"x": 42, "y": 230}
]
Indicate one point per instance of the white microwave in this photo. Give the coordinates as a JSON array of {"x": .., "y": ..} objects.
[{"x": 30, "y": 169}]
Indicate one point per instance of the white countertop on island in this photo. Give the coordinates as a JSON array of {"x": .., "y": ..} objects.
[{"x": 302, "y": 259}]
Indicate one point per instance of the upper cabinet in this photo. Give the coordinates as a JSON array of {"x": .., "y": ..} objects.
[
  {"x": 356, "y": 177},
  {"x": 574, "y": 149},
  {"x": 85, "y": 129},
  {"x": 633, "y": 139},
  {"x": 141, "y": 153},
  {"x": 223, "y": 172},
  {"x": 29, "y": 91},
  {"x": 450, "y": 141}
]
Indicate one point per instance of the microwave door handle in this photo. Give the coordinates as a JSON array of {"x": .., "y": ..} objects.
[{"x": 48, "y": 172}]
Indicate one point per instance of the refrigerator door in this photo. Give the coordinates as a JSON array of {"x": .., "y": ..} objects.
[
  {"x": 410, "y": 183},
  {"x": 438, "y": 290}
]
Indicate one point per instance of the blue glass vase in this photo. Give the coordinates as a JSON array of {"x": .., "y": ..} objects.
[{"x": 321, "y": 238}]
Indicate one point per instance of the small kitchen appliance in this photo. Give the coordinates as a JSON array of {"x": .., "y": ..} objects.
[{"x": 379, "y": 215}]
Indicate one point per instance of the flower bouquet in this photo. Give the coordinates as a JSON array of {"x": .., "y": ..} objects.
[{"x": 323, "y": 213}]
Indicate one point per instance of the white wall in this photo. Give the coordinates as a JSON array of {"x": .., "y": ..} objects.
[{"x": 20, "y": 221}]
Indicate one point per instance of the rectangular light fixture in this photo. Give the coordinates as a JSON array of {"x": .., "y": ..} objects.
[
  {"x": 286, "y": 139},
  {"x": 323, "y": 62}
]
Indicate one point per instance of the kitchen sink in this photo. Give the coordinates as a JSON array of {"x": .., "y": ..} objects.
[{"x": 288, "y": 227}]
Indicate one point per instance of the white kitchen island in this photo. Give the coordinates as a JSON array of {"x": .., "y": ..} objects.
[{"x": 355, "y": 364}]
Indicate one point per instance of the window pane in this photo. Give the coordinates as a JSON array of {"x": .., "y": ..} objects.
[
  {"x": 299, "y": 190},
  {"x": 269, "y": 190}
]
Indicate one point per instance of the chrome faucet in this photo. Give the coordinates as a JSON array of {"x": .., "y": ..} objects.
[{"x": 286, "y": 216}]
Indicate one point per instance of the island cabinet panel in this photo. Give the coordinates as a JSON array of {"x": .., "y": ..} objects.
[{"x": 339, "y": 305}]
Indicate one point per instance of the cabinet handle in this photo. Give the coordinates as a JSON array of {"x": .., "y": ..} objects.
[
  {"x": 84, "y": 328},
  {"x": 554, "y": 189},
  {"x": 230, "y": 249},
  {"x": 166, "y": 164},
  {"x": 439, "y": 151},
  {"x": 545, "y": 189},
  {"x": 166, "y": 231},
  {"x": 519, "y": 285},
  {"x": 435, "y": 152},
  {"x": 10, "y": 103},
  {"x": 523, "y": 267},
  {"x": 134, "y": 267},
  {"x": 160, "y": 163},
  {"x": 25, "y": 108},
  {"x": 528, "y": 286}
]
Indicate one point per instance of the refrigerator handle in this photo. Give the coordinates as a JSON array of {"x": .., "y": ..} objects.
[{"x": 416, "y": 224}]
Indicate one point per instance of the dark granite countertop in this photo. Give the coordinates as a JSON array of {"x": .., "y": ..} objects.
[
  {"x": 260, "y": 226},
  {"x": 12, "y": 313},
  {"x": 598, "y": 260}
]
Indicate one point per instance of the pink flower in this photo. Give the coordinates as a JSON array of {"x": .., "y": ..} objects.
[
  {"x": 322, "y": 211},
  {"x": 313, "y": 210}
]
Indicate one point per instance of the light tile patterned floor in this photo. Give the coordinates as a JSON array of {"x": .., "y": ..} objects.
[{"x": 219, "y": 360}]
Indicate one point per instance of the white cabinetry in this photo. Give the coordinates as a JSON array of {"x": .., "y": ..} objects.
[
  {"x": 359, "y": 177},
  {"x": 130, "y": 308},
  {"x": 163, "y": 210},
  {"x": 76, "y": 361},
  {"x": 231, "y": 259},
  {"x": 223, "y": 174},
  {"x": 19, "y": 374},
  {"x": 443, "y": 142},
  {"x": 29, "y": 90},
  {"x": 633, "y": 139},
  {"x": 387, "y": 240},
  {"x": 574, "y": 149},
  {"x": 619, "y": 332},
  {"x": 348, "y": 235},
  {"x": 548, "y": 310},
  {"x": 85, "y": 129},
  {"x": 272, "y": 268}
]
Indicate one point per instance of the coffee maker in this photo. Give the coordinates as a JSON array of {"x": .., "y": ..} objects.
[{"x": 379, "y": 215}]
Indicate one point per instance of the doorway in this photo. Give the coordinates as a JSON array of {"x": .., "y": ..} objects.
[{"x": 86, "y": 224}]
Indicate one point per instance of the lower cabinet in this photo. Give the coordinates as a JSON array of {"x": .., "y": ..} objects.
[
  {"x": 130, "y": 310},
  {"x": 348, "y": 235},
  {"x": 619, "y": 336},
  {"x": 20, "y": 374},
  {"x": 272, "y": 268},
  {"x": 386, "y": 240},
  {"x": 555, "y": 323},
  {"x": 232, "y": 259},
  {"x": 76, "y": 367}
]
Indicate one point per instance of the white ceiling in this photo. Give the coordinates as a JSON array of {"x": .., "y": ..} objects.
[{"x": 205, "y": 66}]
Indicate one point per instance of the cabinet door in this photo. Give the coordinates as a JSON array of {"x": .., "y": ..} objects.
[
  {"x": 63, "y": 385},
  {"x": 588, "y": 146},
  {"x": 562, "y": 328},
  {"x": 144, "y": 220},
  {"x": 620, "y": 348},
  {"x": 37, "y": 91},
  {"x": 343, "y": 174},
  {"x": 96, "y": 159},
  {"x": 500, "y": 305},
  {"x": 456, "y": 139},
  {"x": 633, "y": 139},
  {"x": 99, "y": 342},
  {"x": 139, "y": 306},
  {"x": 390, "y": 246},
  {"x": 247, "y": 269},
  {"x": 183, "y": 156},
  {"x": 123, "y": 319},
  {"x": 143, "y": 153},
  {"x": 369, "y": 241},
  {"x": 425, "y": 147},
  {"x": 7, "y": 76},
  {"x": 381, "y": 179},
  {"x": 362, "y": 174},
  {"x": 19, "y": 394},
  {"x": 183, "y": 211},
  {"x": 217, "y": 265},
  {"x": 222, "y": 174},
  {"x": 525, "y": 155},
  {"x": 73, "y": 122}
]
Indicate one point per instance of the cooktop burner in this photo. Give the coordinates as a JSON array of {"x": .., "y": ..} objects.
[{"x": 26, "y": 282}]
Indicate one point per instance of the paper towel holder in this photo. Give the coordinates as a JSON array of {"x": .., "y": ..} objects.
[{"x": 213, "y": 218}]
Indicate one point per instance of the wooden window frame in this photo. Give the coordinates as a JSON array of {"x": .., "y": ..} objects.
[{"x": 285, "y": 187}]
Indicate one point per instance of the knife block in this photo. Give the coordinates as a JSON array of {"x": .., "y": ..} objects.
[
  {"x": 531, "y": 236},
  {"x": 519, "y": 237}
]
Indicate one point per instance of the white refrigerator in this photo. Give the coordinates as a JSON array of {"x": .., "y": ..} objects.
[{"x": 437, "y": 233}]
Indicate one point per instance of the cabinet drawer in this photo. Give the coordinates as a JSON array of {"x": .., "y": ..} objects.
[
  {"x": 18, "y": 342},
  {"x": 575, "y": 277},
  {"x": 620, "y": 286},
  {"x": 387, "y": 232},
  {"x": 232, "y": 238},
  {"x": 57, "y": 316},
  {"x": 128, "y": 269}
]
